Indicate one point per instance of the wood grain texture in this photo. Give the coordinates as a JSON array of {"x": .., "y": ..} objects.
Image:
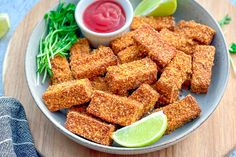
[{"x": 213, "y": 139}]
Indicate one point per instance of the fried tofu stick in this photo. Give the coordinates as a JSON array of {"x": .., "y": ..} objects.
[
  {"x": 115, "y": 109},
  {"x": 180, "y": 112},
  {"x": 83, "y": 124},
  {"x": 196, "y": 31},
  {"x": 67, "y": 94},
  {"x": 60, "y": 70},
  {"x": 203, "y": 61},
  {"x": 124, "y": 77},
  {"x": 180, "y": 42},
  {"x": 80, "y": 49},
  {"x": 173, "y": 77},
  {"x": 130, "y": 54},
  {"x": 94, "y": 64},
  {"x": 122, "y": 42},
  {"x": 146, "y": 95},
  {"x": 149, "y": 41},
  {"x": 80, "y": 108},
  {"x": 99, "y": 83},
  {"x": 158, "y": 23}
]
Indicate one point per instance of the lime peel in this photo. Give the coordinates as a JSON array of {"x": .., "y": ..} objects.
[
  {"x": 156, "y": 8},
  {"x": 4, "y": 24},
  {"x": 143, "y": 132}
]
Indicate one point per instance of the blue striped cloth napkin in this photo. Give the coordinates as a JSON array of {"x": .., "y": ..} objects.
[{"x": 15, "y": 136}]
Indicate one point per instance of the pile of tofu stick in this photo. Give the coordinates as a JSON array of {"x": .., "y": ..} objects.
[{"x": 141, "y": 72}]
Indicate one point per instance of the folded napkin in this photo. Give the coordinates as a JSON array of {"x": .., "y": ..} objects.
[
  {"x": 231, "y": 153},
  {"x": 15, "y": 136}
]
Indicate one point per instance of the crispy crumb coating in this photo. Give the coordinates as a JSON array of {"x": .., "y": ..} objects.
[
  {"x": 89, "y": 127},
  {"x": 115, "y": 109},
  {"x": 164, "y": 101},
  {"x": 94, "y": 64},
  {"x": 67, "y": 94},
  {"x": 173, "y": 77},
  {"x": 196, "y": 31},
  {"x": 122, "y": 42},
  {"x": 180, "y": 42},
  {"x": 131, "y": 75},
  {"x": 203, "y": 61},
  {"x": 157, "y": 23},
  {"x": 180, "y": 112},
  {"x": 60, "y": 70},
  {"x": 99, "y": 83},
  {"x": 79, "y": 49},
  {"x": 130, "y": 54},
  {"x": 80, "y": 108},
  {"x": 149, "y": 41},
  {"x": 146, "y": 95}
]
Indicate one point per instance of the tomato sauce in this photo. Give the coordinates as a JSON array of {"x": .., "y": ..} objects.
[{"x": 104, "y": 16}]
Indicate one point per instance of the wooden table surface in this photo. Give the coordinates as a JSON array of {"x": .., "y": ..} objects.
[{"x": 214, "y": 138}]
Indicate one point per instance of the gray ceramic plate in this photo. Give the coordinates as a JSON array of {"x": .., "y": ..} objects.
[{"x": 187, "y": 10}]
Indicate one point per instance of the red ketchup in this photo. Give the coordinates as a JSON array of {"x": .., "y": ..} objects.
[{"x": 104, "y": 16}]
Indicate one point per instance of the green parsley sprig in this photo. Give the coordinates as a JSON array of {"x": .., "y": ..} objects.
[
  {"x": 232, "y": 48},
  {"x": 61, "y": 34},
  {"x": 225, "y": 21}
]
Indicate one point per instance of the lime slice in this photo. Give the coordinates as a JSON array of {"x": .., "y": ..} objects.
[
  {"x": 4, "y": 24},
  {"x": 156, "y": 8},
  {"x": 143, "y": 132}
]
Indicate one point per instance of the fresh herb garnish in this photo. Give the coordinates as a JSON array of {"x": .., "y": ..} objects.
[
  {"x": 225, "y": 21},
  {"x": 232, "y": 48},
  {"x": 61, "y": 34}
]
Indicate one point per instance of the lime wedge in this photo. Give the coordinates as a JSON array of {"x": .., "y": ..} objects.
[
  {"x": 4, "y": 24},
  {"x": 143, "y": 132},
  {"x": 156, "y": 8}
]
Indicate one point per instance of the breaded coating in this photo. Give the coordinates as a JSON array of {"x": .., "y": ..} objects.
[
  {"x": 149, "y": 41},
  {"x": 163, "y": 101},
  {"x": 122, "y": 42},
  {"x": 203, "y": 61},
  {"x": 79, "y": 49},
  {"x": 196, "y": 31},
  {"x": 131, "y": 75},
  {"x": 130, "y": 54},
  {"x": 180, "y": 112},
  {"x": 94, "y": 64},
  {"x": 173, "y": 77},
  {"x": 67, "y": 94},
  {"x": 60, "y": 70},
  {"x": 89, "y": 127},
  {"x": 115, "y": 109},
  {"x": 158, "y": 23},
  {"x": 146, "y": 95},
  {"x": 180, "y": 42},
  {"x": 80, "y": 108},
  {"x": 154, "y": 86},
  {"x": 99, "y": 83}
]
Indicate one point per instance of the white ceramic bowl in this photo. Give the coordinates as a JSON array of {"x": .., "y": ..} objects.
[
  {"x": 95, "y": 38},
  {"x": 187, "y": 10}
]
